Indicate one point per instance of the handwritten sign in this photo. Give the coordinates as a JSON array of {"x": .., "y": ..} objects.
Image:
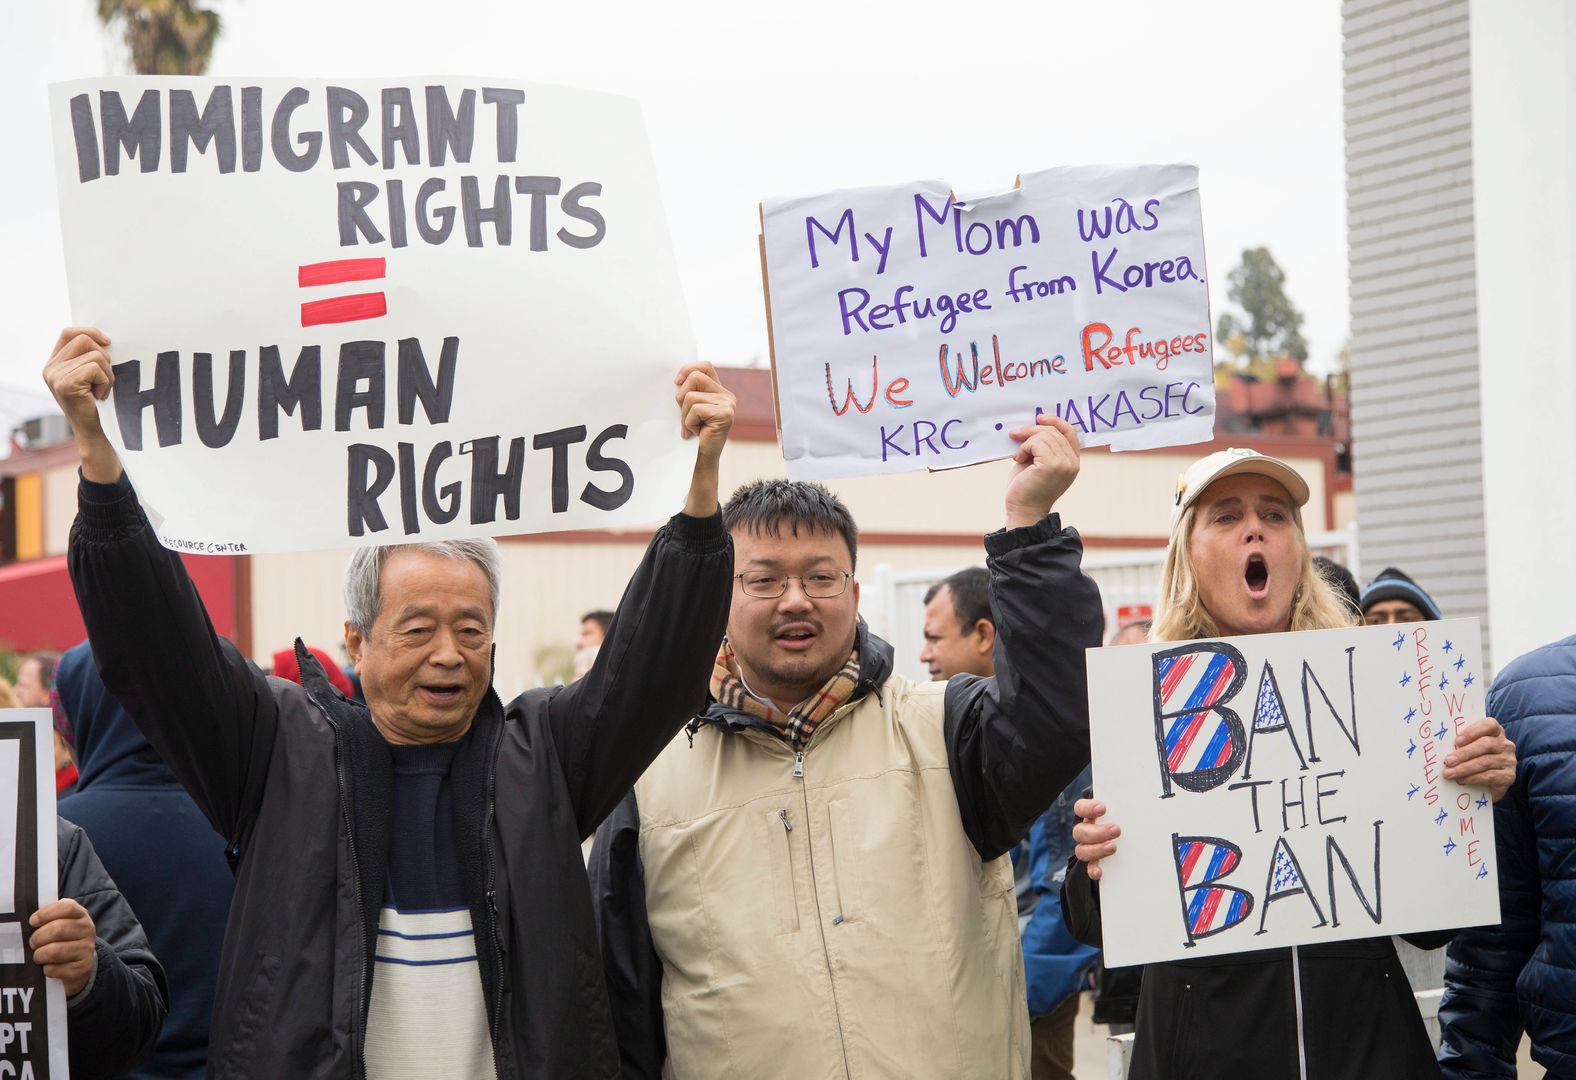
[
  {"x": 913, "y": 330},
  {"x": 375, "y": 312},
  {"x": 1287, "y": 789},
  {"x": 32, "y": 1007}
]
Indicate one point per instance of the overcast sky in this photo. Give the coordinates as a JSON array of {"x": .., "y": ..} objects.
[{"x": 748, "y": 100}]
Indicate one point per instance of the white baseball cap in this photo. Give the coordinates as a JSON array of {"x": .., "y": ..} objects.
[{"x": 1236, "y": 461}]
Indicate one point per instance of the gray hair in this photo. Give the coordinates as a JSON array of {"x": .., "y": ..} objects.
[{"x": 365, "y": 573}]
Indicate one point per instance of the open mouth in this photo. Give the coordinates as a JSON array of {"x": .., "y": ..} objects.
[
  {"x": 796, "y": 636},
  {"x": 442, "y": 693},
  {"x": 1257, "y": 576}
]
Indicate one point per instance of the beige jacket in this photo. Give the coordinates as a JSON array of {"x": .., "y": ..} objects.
[
  {"x": 827, "y": 916},
  {"x": 850, "y": 914}
]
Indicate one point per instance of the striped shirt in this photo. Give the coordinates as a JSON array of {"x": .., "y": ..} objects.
[{"x": 427, "y": 1016}]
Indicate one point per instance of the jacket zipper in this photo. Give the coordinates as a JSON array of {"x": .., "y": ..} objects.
[
  {"x": 837, "y": 1012},
  {"x": 492, "y": 900},
  {"x": 1296, "y": 986}
]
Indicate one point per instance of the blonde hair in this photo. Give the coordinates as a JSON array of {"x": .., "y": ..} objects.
[
  {"x": 1180, "y": 614},
  {"x": 8, "y": 698}
]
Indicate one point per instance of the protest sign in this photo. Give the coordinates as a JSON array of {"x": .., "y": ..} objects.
[
  {"x": 375, "y": 311},
  {"x": 1288, "y": 789},
  {"x": 32, "y": 1007},
  {"x": 914, "y": 330}
]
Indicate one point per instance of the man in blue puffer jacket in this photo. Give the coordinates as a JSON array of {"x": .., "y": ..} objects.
[{"x": 1521, "y": 974}]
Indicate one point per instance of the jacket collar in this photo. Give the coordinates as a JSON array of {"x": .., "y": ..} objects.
[{"x": 875, "y": 666}]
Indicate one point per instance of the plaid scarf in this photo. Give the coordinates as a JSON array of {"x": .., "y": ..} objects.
[{"x": 797, "y": 727}]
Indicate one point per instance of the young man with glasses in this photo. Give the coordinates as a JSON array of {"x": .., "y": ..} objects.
[{"x": 813, "y": 880}]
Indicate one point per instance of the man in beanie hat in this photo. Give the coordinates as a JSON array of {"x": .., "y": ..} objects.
[{"x": 1392, "y": 597}]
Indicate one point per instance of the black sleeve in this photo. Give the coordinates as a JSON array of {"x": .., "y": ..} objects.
[
  {"x": 111, "y": 1027},
  {"x": 1017, "y": 739},
  {"x": 629, "y": 960},
  {"x": 208, "y": 713},
  {"x": 1081, "y": 905},
  {"x": 653, "y": 669}
]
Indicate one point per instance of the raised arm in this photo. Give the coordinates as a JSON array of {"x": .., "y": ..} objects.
[
  {"x": 1015, "y": 740},
  {"x": 652, "y": 671},
  {"x": 209, "y": 715}
]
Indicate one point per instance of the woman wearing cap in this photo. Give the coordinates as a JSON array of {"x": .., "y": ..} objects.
[{"x": 1238, "y": 563}]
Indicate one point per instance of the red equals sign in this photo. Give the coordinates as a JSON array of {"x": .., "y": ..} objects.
[{"x": 340, "y": 309}]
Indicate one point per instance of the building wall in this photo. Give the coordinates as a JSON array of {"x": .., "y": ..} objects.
[
  {"x": 917, "y": 526},
  {"x": 1524, "y": 187},
  {"x": 1417, "y": 424}
]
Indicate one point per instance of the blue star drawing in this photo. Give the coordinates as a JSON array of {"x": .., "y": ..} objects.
[
  {"x": 1285, "y": 872},
  {"x": 1470, "y": 679},
  {"x": 1400, "y": 639},
  {"x": 1460, "y": 660},
  {"x": 1413, "y": 790},
  {"x": 1449, "y": 646},
  {"x": 1406, "y": 679},
  {"x": 1443, "y": 682},
  {"x": 1450, "y": 845},
  {"x": 1411, "y": 747},
  {"x": 1482, "y": 801},
  {"x": 1409, "y": 714},
  {"x": 1440, "y": 734},
  {"x": 1440, "y": 819},
  {"x": 1482, "y": 873}
]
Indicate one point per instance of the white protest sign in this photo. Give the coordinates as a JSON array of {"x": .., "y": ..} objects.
[
  {"x": 912, "y": 330},
  {"x": 32, "y": 1007},
  {"x": 375, "y": 311},
  {"x": 1288, "y": 789}
]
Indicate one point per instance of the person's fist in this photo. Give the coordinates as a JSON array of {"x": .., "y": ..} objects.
[
  {"x": 63, "y": 943},
  {"x": 79, "y": 375},
  {"x": 706, "y": 407},
  {"x": 1045, "y": 466}
]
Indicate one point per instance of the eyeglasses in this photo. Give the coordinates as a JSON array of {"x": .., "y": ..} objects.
[{"x": 819, "y": 585}]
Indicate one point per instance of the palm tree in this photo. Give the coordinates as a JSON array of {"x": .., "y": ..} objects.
[{"x": 166, "y": 37}]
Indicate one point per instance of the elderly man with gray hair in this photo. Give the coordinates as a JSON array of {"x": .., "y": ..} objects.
[{"x": 410, "y": 896}]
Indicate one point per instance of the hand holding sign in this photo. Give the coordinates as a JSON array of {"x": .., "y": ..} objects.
[
  {"x": 64, "y": 942},
  {"x": 1093, "y": 841},
  {"x": 706, "y": 410},
  {"x": 79, "y": 376},
  {"x": 1045, "y": 466},
  {"x": 1483, "y": 756}
]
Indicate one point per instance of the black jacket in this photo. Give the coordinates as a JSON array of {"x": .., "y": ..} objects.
[
  {"x": 1346, "y": 1006},
  {"x": 299, "y": 782},
  {"x": 112, "y": 1025},
  {"x": 1014, "y": 741}
]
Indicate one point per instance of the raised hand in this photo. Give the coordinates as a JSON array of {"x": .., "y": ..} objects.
[
  {"x": 1046, "y": 464},
  {"x": 706, "y": 411},
  {"x": 79, "y": 376}
]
